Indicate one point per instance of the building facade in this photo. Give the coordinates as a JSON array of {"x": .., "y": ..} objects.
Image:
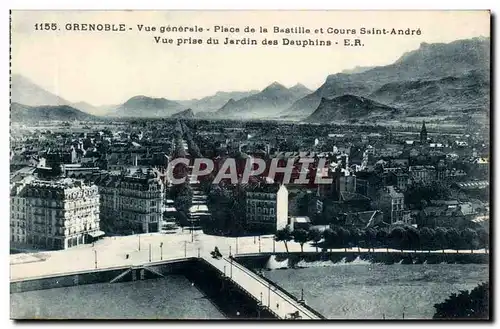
[
  {"x": 131, "y": 203},
  {"x": 423, "y": 174},
  {"x": 393, "y": 203},
  {"x": 267, "y": 208},
  {"x": 55, "y": 214}
]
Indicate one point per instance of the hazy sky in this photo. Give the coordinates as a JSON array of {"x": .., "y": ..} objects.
[{"x": 108, "y": 68}]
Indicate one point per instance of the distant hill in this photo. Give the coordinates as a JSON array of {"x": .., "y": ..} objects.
[
  {"x": 268, "y": 103},
  {"x": 24, "y": 91},
  {"x": 186, "y": 114},
  {"x": 92, "y": 109},
  {"x": 428, "y": 62},
  {"x": 216, "y": 101},
  {"x": 20, "y": 113},
  {"x": 146, "y": 107},
  {"x": 464, "y": 93},
  {"x": 347, "y": 107}
]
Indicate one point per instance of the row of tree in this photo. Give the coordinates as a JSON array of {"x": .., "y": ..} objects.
[{"x": 399, "y": 237}]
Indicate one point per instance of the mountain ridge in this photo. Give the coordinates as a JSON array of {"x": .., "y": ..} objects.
[
  {"x": 429, "y": 61},
  {"x": 347, "y": 107},
  {"x": 269, "y": 102},
  {"x": 25, "y": 113}
]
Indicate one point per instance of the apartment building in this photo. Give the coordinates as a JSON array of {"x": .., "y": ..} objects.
[
  {"x": 131, "y": 203},
  {"x": 393, "y": 203},
  {"x": 423, "y": 174},
  {"x": 54, "y": 214},
  {"x": 267, "y": 207}
]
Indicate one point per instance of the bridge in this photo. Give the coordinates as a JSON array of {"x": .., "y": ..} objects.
[{"x": 265, "y": 293}]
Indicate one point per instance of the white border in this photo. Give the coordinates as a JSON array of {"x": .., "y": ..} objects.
[{"x": 186, "y": 4}]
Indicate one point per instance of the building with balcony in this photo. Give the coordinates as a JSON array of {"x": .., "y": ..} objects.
[
  {"x": 54, "y": 214},
  {"x": 131, "y": 203},
  {"x": 267, "y": 208}
]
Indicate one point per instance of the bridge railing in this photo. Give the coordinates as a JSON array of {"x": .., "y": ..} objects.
[
  {"x": 287, "y": 297},
  {"x": 284, "y": 291}
]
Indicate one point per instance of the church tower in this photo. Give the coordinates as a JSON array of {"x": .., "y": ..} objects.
[{"x": 423, "y": 134}]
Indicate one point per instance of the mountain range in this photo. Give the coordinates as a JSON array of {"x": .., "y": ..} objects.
[
  {"x": 268, "y": 103},
  {"x": 434, "y": 79},
  {"x": 146, "y": 107},
  {"x": 214, "y": 102},
  {"x": 431, "y": 75}
]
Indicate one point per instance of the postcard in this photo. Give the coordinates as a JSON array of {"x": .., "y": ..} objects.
[{"x": 241, "y": 165}]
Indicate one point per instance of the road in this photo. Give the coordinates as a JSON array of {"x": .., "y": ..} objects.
[{"x": 112, "y": 251}]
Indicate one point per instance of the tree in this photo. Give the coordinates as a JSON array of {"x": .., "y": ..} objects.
[
  {"x": 315, "y": 236},
  {"x": 370, "y": 236},
  {"x": 356, "y": 237},
  {"x": 396, "y": 238},
  {"x": 300, "y": 236},
  {"x": 440, "y": 237},
  {"x": 412, "y": 238},
  {"x": 427, "y": 236},
  {"x": 382, "y": 237},
  {"x": 453, "y": 239},
  {"x": 465, "y": 305},
  {"x": 470, "y": 237},
  {"x": 418, "y": 192},
  {"x": 330, "y": 236},
  {"x": 283, "y": 235},
  {"x": 483, "y": 238},
  {"x": 344, "y": 237},
  {"x": 182, "y": 195}
]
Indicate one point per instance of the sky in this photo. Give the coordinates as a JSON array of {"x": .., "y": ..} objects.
[{"x": 110, "y": 67}]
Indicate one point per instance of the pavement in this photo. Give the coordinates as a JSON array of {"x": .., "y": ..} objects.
[
  {"x": 112, "y": 252},
  {"x": 266, "y": 294}
]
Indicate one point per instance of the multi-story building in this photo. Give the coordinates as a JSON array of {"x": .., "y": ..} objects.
[
  {"x": 267, "y": 208},
  {"x": 18, "y": 210},
  {"x": 131, "y": 202},
  {"x": 398, "y": 178},
  {"x": 55, "y": 214},
  {"x": 423, "y": 174},
  {"x": 393, "y": 203}
]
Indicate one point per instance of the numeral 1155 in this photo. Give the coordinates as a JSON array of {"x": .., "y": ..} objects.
[{"x": 45, "y": 26}]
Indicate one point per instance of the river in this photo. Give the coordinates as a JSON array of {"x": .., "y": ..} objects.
[
  {"x": 361, "y": 290},
  {"x": 171, "y": 298},
  {"x": 357, "y": 290}
]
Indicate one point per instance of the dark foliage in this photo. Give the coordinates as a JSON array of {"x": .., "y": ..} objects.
[{"x": 465, "y": 304}]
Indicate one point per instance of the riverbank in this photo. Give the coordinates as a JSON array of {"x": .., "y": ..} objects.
[
  {"x": 298, "y": 260},
  {"x": 142, "y": 249}
]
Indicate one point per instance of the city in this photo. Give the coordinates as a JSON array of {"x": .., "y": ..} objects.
[
  {"x": 302, "y": 184},
  {"x": 97, "y": 190}
]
